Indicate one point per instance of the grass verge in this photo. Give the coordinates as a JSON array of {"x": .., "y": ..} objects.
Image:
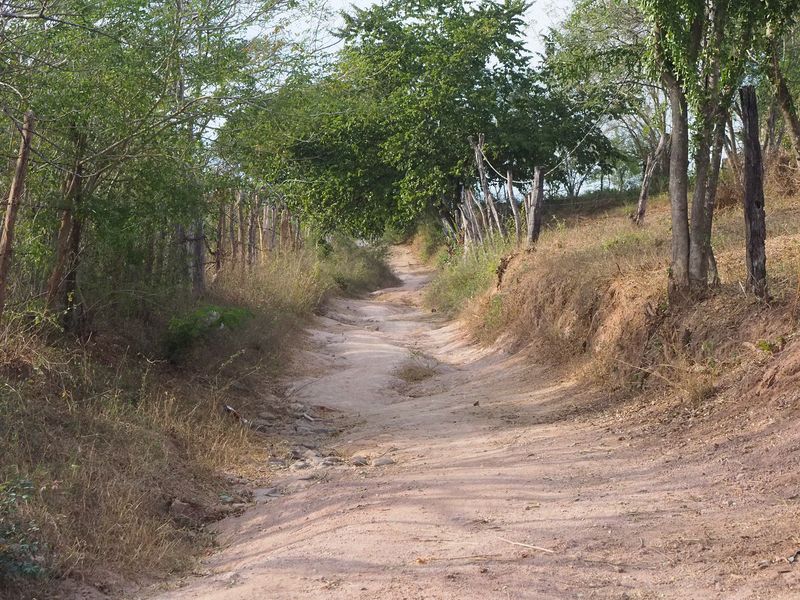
[
  {"x": 99, "y": 438},
  {"x": 592, "y": 297}
]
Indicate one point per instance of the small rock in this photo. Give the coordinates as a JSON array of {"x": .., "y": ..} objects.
[
  {"x": 300, "y": 465},
  {"x": 359, "y": 461},
  {"x": 225, "y": 499},
  {"x": 330, "y": 461},
  {"x": 383, "y": 461},
  {"x": 476, "y": 403}
]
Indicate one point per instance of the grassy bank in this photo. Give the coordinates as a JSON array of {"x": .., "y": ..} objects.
[
  {"x": 100, "y": 437},
  {"x": 592, "y": 298}
]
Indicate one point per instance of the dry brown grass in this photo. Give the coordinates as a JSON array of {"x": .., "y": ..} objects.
[
  {"x": 107, "y": 433},
  {"x": 417, "y": 368},
  {"x": 592, "y": 297}
]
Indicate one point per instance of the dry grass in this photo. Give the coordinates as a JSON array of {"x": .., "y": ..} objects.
[
  {"x": 417, "y": 368},
  {"x": 105, "y": 434},
  {"x": 592, "y": 296}
]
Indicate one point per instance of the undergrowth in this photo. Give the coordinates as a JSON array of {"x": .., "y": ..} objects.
[
  {"x": 99, "y": 436},
  {"x": 463, "y": 278}
]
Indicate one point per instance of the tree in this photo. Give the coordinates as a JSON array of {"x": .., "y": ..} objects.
[
  {"x": 700, "y": 51},
  {"x": 128, "y": 96}
]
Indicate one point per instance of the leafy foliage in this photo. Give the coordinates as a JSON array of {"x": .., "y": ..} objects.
[
  {"x": 19, "y": 543},
  {"x": 183, "y": 331}
]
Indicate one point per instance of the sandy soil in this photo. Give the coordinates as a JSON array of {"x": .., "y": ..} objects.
[{"x": 503, "y": 482}]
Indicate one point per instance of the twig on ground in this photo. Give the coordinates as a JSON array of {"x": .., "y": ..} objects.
[
  {"x": 527, "y": 546},
  {"x": 425, "y": 559}
]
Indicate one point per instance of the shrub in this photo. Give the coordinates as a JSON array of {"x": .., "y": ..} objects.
[
  {"x": 184, "y": 331},
  {"x": 19, "y": 544},
  {"x": 463, "y": 278}
]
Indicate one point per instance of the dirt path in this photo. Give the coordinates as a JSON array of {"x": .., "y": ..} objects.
[{"x": 484, "y": 479}]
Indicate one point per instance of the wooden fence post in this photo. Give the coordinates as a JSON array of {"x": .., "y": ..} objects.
[
  {"x": 535, "y": 206},
  {"x": 754, "y": 216}
]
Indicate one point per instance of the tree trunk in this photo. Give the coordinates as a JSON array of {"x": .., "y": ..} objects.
[
  {"x": 69, "y": 301},
  {"x": 698, "y": 242},
  {"x": 710, "y": 198},
  {"x": 513, "y": 202},
  {"x": 732, "y": 150},
  {"x": 55, "y": 284},
  {"x": 754, "y": 216},
  {"x": 535, "y": 207},
  {"x": 786, "y": 102},
  {"x": 484, "y": 226},
  {"x": 241, "y": 235},
  {"x": 219, "y": 256},
  {"x": 487, "y": 197},
  {"x": 198, "y": 258},
  {"x": 647, "y": 179},
  {"x": 274, "y": 226},
  {"x": 251, "y": 237},
  {"x": 232, "y": 231},
  {"x": 469, "y": 209},
  {"x": 679, "y": 191},
  {"x": 12, "y": 208}
]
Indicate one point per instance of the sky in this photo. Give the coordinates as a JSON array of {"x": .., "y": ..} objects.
[{"x": 542, "y": 15}]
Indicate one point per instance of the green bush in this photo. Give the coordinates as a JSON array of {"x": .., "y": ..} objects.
[
  {"x": 184, "y": 331},
  {"x": 356, "y": 268},
  {"x": 462, "y": 278},
  {"x": 19, "y": 545}
]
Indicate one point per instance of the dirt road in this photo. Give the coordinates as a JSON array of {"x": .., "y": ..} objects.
[{"x": 471, "y": 474}]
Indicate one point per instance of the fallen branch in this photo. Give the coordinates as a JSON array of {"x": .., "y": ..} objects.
[
  {"x": 527, "y": 546},
  {"x": 426, "y": 559}
]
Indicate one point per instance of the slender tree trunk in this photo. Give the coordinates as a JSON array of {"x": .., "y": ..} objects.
[
  {"x": 466, "y": 231},
  {"x": 770, "y": 131},
  {"x": 219, "y": 257},
  {"x": 232, "y": 231},
  {"x": 679, "y": 191},
  {"x": 56, "y": 281},
  {"x": 12, "y": 207},
  {"x": 732, "y": 150},
  {"x": 647, "y": 179},
  {"x": 710, "y": 200},
  {"x": 198, "y": 245},
  {"x": 535, "y": 207},
  {"x": 513, "y": 202},
  {"x": 487, "y": 196},
  {"x": 251, "y": 237},
  {"x": 241, "y": 235},
  {"x": 265, "y": 229},
  {"x": 698, "y": 243},
  {"x": 468, "y": 202},
  {"x": 484, "y": 223},
  {"x": 754, "y": 215},
  {"x": 68, "y": 297},
  {"x": 785, "y": 101},
  {"x": 274, "y": 226}
]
